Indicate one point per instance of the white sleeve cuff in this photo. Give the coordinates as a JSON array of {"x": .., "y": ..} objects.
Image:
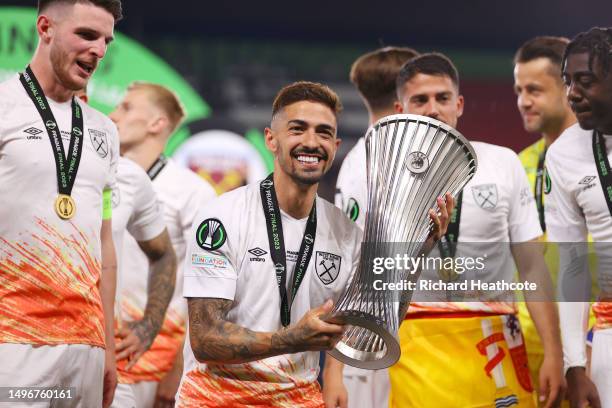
[{"x": 209, "y": 287}]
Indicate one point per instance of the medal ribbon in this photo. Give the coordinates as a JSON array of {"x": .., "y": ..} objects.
[
  {"x": 157, "y": 166},
  {"x": 276, "y": 241},
  {"x": 66, "y": 166},
  {"x": 603, "y": 167},
  {"x": 539, "y": 188}
]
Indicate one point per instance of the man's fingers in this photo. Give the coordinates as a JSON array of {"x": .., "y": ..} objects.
[
  {"x": 133, "y": 360},
  {"x": 131, "y": 349},
  {"x": 324, "y": 308}
]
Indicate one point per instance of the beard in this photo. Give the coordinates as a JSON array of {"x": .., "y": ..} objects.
[{"x": 61, "y": 66}]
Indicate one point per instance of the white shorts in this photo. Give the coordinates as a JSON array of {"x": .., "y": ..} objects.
[
  {"x": 138, "y": 395},
  {"x": 124, "y": 397},
  {"x": 77, "y": 367},
  {"x": 601, "y": 365},
  {"x": 367, "y": 388}
]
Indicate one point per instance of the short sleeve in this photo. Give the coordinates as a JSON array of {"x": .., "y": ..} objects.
[
  {"x": 147, "y": 220},
  {"x": 523, "y": 222},
  {"x": 564, "y": 219},
  {"x": 210, "y": 267},
  {"x": 201, "y": 194},
  {"x": 111, "y": 179}
]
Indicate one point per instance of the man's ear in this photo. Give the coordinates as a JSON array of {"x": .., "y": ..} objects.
[
  {"x": 271, "y": 142},
  {"x": 44, "y": 28},
  {"x": 398, "y": 107},
  {"x": 158, "y": 125},
  {"x": 460, "y": 104}
]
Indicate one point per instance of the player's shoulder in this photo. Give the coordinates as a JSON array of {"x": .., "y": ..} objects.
[
  {"x": 131, "y": 172},
  {"x": 186, "y": 180},
  {"x": 94, "y": 119},
  {"x": 492, "y": 155},
  {"x": 357, "y": 152},
  {"x": 337, "y": 220},
  {"x": 12, "y": 97},
  {"x": 574, "y": 139},
  {"x": 234, "y": 205},
  {"x": 492, "y": 150}
]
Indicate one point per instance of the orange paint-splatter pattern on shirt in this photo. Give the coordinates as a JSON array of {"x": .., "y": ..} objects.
[
  {"x": 48, "y": 289},
  {"x": 603, "y": 314},
  {"x": 245, "y": 387},
  {"x": 158, "y": 360}
]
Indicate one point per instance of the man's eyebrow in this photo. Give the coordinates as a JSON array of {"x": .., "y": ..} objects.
[
  {"x": 325, "y": 126},
  {"x": 299, "y": 122}
]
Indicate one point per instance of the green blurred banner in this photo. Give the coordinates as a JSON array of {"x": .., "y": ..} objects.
[{"x": 126, "y": 61}]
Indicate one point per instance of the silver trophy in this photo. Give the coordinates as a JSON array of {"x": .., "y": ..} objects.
[{"x": 411, "y": 160}]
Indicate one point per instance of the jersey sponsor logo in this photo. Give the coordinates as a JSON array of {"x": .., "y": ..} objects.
[
  {"x": 33, "y": 133},
  {"x": 100, "y": 144},
  {"x": 258, "y": 253},
  {"x": 211, "y": 234},
  {"x": 485, "y": 196},
  {"x": 209, "y": 261},
  {"x": 327, "y": 266},
  {"x": 587, "y": 182},
  {"x": 352, "y": 209}
]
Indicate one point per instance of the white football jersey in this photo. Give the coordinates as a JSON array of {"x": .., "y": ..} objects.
[
  {"x": 182, "y": 194},
  {"x": 576, "y": 206},
  {"x": 136, "y": 210},
  {"x": 53, "y": 264},
  {"x": 239, "y": 267},
  {"x": 498, "y": 207},
  {"x": 351, "y": 190}
]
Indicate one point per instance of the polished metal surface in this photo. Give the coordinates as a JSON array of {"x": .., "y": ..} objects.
[{"x": 411, "y": 160}]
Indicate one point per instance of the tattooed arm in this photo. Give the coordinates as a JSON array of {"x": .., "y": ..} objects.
[
  {"x": 138, "y": 336},
  {"x": 216, "y": 340}
]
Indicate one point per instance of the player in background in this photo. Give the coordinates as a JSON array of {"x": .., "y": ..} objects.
[
  {"x": 543, "y": 106},
  {"x": 136, "y": 210},
  {"x": 146, "y": 118},
  {"x": 475, "y": 347},
  {"x": 374, "y": 75},
  {"x": 579, "y": 203},
  {"x": 266, "y": 261},
  {"x": 57, "y": 259}
]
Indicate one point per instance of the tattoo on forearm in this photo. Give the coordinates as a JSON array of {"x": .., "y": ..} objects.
[
  {"x": 162, "y": 280},
  {"x": 216, "y": 340}
]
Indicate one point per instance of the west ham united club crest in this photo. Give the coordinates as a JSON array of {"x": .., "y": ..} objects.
[
  {"x": 99, "y": 142},
  {"x": 485, "y": 195},
  {"x": 327, "y": 266}
]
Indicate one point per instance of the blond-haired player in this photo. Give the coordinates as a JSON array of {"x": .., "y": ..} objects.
[{"x": 145, "y": 118}]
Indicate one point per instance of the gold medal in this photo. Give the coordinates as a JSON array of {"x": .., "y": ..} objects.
[{"x": 65, "y": 207}]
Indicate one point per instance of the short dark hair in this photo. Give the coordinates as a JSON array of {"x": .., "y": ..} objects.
[
  {"x": 374, "y": 75},
  {"x": 306, "y": 91},
  {"x": 543, "y": 47},
  {"x": 597, "y": 42},
  {"x": 432, "y": 63},
  {"x": 112, "y": 6}
]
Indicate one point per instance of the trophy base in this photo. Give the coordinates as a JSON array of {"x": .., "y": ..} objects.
[{"x": 365, "y": 343}]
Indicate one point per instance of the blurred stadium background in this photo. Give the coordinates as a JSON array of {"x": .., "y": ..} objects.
[{"x": 227, "y": 59}]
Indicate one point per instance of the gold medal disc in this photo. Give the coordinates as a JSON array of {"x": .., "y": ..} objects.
[{"x": 65, "y": 207}]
